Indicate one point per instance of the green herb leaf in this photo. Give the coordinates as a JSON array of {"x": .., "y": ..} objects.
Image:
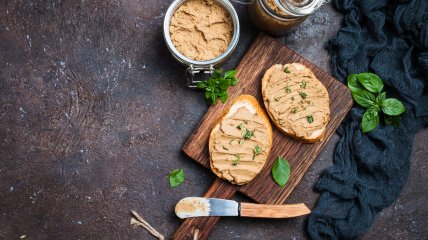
[
  {"x": 353, "y": 84},
  {"x": 380, "y": 98},
  {"x": 294, "y": 110},
  {"x": 217, "y": 74},
  {"x": 394, "y": 120},
  {"x": 248, "y": 134},
  {"x": 256, "y": 151},
  {"x": 303, "y": 95},
  {"x": 202, "y": 84},
  {"x": 364, "y": 98},
  {"x": 371, "y": 82},
  {"x": 176, "y": 177},
  {"x": 216, "y": 86},
  {"x": 286, "y": 70},
  {"x": 303, "y": 84},
  {"x": 223, "y": 97},
  {"x": 233, "y": 81},
  {"x": 310, "y": 119},
  {"x": 230, "y": 74},
  {"x": 281, "y": 171},
  {"x": 236, "y": 161},
  {"x": 392, "y": 106},
  {"x": 370, "y": 120}
]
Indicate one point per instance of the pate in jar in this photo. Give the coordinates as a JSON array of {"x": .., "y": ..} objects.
[
  {"x": 276, "y": 17},
  {"x": 201, "y": 34}
]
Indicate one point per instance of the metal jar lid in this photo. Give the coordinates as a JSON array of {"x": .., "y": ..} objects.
[
  {"x": 299, "y": 7},
  {"x": 194, "y": 66}
]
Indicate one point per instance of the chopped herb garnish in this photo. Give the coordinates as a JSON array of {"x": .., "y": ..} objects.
[
  {"x": 303, "y": 95},
  {"x": 294, "y": 110},
  {"x": 310, "y": 119},
  {"x": 241, "y": 141},
  {"x": 257, "y": 150},
  {"x": 303, "y": 84},
  {"x": 248, "y": 134},
  {"x": 286, "y": 70},
  {"x": 287, "y": 89},
  {"x": 236, "y": 161},
  {"x": 240, "y": 126},
  {"x": 292, "y": 98}
]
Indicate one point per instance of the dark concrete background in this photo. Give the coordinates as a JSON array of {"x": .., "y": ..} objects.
[{"x": 94, "y": 112}]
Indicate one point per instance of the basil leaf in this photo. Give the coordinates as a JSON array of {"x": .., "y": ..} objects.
[
  {"x": 213, "y": 99},
  {"x": 353, "y": 84},
  {"x": 230, "y": 74},
  {"x": 371, "y": 82},
  {"x": 281, "y": 171},
  {"x": 223, "y": 97},
  {"x": 202, "y": 85},
  {"x": 392, "y": 106},
  {"x": 394, "y": 120},
  {"x": 380, "y": 98},
  {"x": 224, "y": 84},
  {"x": 176, "y": 177},
  {"x": 234, "y": 81},
  {"x": 364, "y": 98},
  {"x": 217, "y": 74},
  {"x": 370, "y": 120}
]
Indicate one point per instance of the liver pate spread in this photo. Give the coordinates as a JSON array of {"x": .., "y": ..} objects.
[
  {"x": 201, "y": 29},
  {"x": 240, "y": 144},
  {"x": 297, "y": 101}
]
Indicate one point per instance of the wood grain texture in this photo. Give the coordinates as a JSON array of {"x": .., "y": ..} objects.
[
  {"x": 264, "y": 53},
  {"x": 273, "y": 211}
]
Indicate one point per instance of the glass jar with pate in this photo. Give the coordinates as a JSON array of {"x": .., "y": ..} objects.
[
  {"x": 276, "y": 17},
  {"x": 201, "y": 34}
]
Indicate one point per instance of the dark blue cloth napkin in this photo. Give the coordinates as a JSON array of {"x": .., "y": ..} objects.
[{"x": 389, "y": 38}]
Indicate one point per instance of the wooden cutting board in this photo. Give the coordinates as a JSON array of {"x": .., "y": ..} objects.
[{"x": 263, "y": 53}]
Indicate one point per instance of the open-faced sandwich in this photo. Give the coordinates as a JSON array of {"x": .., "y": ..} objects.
[
  {"x": 240, "y": 141},
  {"x": 297, "y": 102}
]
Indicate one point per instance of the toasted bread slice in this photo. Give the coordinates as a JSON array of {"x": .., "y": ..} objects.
[
  {"x": 297, "y": 102},
  {"x": 240, "y": 141}
]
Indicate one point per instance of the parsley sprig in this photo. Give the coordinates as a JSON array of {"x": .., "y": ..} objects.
[{"x": 216, "y": 86}]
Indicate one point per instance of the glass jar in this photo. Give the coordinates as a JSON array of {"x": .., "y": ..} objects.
[
  {"x": 194, "y": 66},
  {"x": 276, "y": 17}
]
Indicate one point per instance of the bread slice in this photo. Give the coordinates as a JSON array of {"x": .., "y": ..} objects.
[
  {"x": 240, "y": 141},
  {"x": 297, "y": 102}
]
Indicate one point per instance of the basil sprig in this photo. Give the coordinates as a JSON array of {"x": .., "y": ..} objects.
[
  {"x": 216, "y": 86},
  {"x": 281, "y": 171},
  {"x": 364, "y": 86}
]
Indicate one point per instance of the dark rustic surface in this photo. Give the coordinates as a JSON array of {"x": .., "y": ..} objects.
[{"x": 94, "y": 112}]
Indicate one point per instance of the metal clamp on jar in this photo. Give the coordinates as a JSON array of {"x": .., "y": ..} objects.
[
  {"x": 276, "y": 17},
  {"x": 194, "y": 66}
]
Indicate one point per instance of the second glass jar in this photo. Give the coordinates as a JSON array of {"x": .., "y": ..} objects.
[{"x": 277, "y": 17}]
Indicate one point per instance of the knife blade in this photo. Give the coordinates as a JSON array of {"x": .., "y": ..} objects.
[{"x": 205, "y": 207}]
